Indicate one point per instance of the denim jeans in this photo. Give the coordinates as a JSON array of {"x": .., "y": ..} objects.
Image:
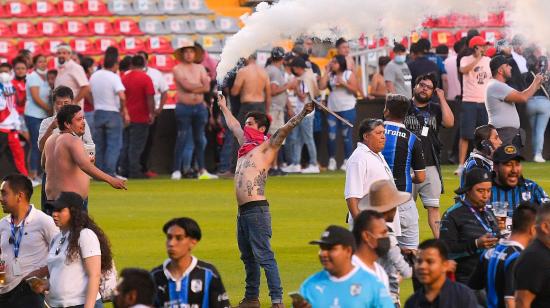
[
  {"x": 107, "y": 136},
  {"x": 33, "y": 125},
  {"x": 191, "y": 122},
  {"x": 302, "y": 135},
  {"x": 135, "y": 137},
  {"x": 335, "y": 126},
  {"x": 90, "y": 119},
  {"x": 538, "y": 110},
  {"x": 253, "y": 237},
  {"x": 226, "y": 152}
]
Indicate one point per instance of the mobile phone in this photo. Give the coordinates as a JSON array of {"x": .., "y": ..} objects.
[
  {"x": 220, "y": 93},
  {"x": 296, "y": 296}
]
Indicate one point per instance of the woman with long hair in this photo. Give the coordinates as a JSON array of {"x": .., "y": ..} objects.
[{"x": 79, "y": 255}]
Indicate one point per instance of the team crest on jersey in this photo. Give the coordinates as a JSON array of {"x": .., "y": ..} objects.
[
  {"x": 355, "y": 289},
  {"x": 526, "y": 195},
  {"x": 196, "y": 285}
]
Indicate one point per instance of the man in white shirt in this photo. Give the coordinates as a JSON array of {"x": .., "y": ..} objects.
[
  {"x": 366, "y": 165},
  {"x": 25, "y": 235},
  {"x": 136, "y": 289}
]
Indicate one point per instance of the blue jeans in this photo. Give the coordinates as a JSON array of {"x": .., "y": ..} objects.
[
  {"x": 253, "y": 237},
  {"x": 302, "y": 135},
  {"x": 90, "y": 119},
  {"x": 226, "y": 152},
  {"x": 107, "y": 136},
  {"x": 538, "y": 110},
  {"x": 335, "y": 126},
  {"x": 33, "y": 125},
  {"x": 191, "y": 122},
  {"x": 135, "y": 137}
]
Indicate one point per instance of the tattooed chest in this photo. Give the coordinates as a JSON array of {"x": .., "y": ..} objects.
[
  {"x": 257, "y": 184},
  {"x": 243, "y": 169}
]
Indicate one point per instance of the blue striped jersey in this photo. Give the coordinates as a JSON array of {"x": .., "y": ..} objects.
[
  {"x": 475, "y": 160},
  {"x": 525, "y": 191},
  {"x": 403, "y": 153}
]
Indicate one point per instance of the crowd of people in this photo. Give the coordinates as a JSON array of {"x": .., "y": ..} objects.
[{"x": 490, "y": 249}]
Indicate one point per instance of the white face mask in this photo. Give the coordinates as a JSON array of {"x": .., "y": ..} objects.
[
  {"x": 41, "y": 72},
  {"x": 5, "y": 77},
  {"x": 399, "y": 59}
]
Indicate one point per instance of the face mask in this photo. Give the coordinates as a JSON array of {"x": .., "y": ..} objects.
[
  {"x": 400, "y": 59},
  {"x": 383, "y": 246},
  {"x": 41, "y": 72},
  {"x": 5, "y": 77}
]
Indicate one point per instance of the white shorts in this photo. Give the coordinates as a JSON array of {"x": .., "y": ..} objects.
[{"x": 430, "y": 189}]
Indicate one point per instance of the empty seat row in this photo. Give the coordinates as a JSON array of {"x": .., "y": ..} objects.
[
  {"x": 449, "y": 38},
  {"x": 496, "y": 19},
  {"x": 195, "y": 25},
  {"x": 20, "y": 9},
  {"x": 151, "y": 7}
]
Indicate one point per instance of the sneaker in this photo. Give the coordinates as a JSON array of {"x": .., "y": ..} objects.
[
  {"x": 294, "y": 168},
  {"x": 538, "y": 158},
  {"x": 176, "y": 175},
  {"x": 226, "y": 175},
  {"x": 249, "y": 303},
  {"x": 459, "y": 170},
  {"x": 311, "y": 169},
  {"x": 120, "y": 177},
  {"x": 207, "y": 176},
  {"x": 331, "y": 164},
  {"x": 151, "y": 174},
  {"x": 343, "y": 167}
]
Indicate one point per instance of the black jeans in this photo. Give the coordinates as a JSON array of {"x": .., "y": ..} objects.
[
  {"x": 134, "y": 140},
  {"x": 21, "y": 297}
]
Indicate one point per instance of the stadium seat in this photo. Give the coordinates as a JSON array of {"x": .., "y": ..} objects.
[
  {"x": 18, "y": 9},
  {"x": 126, "y": 26},
  {"x": 83, "y": 46},
  {"x": 172, "y": 7},
  {"x": 131, "y": 45},
  {"x": 101, "y": 27},
  {"x": 33, "y": 46},
  {"x": 23, "y": 29},
  {"x": 44, "y": 9},
  {"x": 70, "y": 8},
  {"x": 468, "y": 21},
  {"x": 49, "y": 47},
  {"x": 152, "y": 26},
  {"x": 95, "y": 8},
  {"x": 121, "y": 7},
  {"x": 202, "y": 25},
  {"x": 76, "y": 28},
  {"x": 163, "y": 63},
  {"x": 101, "y": 44},
  {"x": 211, "y": 43},
  {"x": 448, "y": 21},
  {"x": 442, "y": 38},
  {"x": 158, "y": 44},
  {"x": 495, "y": 20},
  {"x": 7, "y": 48},
  {"x": 491, "y": 36},
  {"x": 5, "y": 30},
  {"x": 50, "y": 28},
  {"x": 196, "y": 7},
  {"x": 177, "y": 26},
  {"x": 226, "y": 25},
  {"x": 415, "y": 36},
  {"x": 460, "y": 34},
  {"x": 146, "y": 7},
  {"x": 181, "y": 40}
]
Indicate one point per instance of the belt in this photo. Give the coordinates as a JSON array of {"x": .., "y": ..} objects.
[{"x": 250, "y": 206}]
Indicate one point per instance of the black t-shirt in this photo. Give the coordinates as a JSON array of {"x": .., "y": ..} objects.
[
  {"x": 451, "y": 295},
  {"x": 422, "y": 65},
  {"x": 429, "y": 116},
  {"x": 532, "y": 273}
]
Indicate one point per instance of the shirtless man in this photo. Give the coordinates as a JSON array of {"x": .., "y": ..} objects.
[
  {"x": 254, "y": 220},
  {"x": 66, "y": 162},
  {"x": 192, "y": 82},
  {"x": 253, "y": 86}
]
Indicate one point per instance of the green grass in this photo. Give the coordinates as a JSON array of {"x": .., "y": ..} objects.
[{"x": 301, "y": 206}]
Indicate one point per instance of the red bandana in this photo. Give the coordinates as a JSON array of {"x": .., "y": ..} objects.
[{"x": 252, "y": 139}]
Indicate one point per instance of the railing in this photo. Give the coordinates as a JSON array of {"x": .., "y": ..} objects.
[{"x": 367, "y": 61}]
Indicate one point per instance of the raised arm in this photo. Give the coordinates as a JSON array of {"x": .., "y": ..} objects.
[
  {"x": 232, "y": 123},
  {"x": 277, "y": 139},
  {"x": 448, "y": 119}
]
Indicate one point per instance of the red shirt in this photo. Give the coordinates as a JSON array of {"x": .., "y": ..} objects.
[
  {"x": 138, "y": 85},
  {"x": 21, "y": 93}
]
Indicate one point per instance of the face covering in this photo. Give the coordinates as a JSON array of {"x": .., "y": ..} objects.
[
  {"x": 5, "y": 77},
  {"x": 400, "y": 59},
  {"x": 41, "y": 72},
  {"x": 383, "y": 246},
  {"x": 252, "y": 139}
]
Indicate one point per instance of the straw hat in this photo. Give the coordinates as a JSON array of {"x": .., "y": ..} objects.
[
  {"x": 383, "y": 197},
  {"x": 178, "y": 53}
]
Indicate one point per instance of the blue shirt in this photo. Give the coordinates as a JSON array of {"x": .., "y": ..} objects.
[
  {"x": 525, "y": 191},
  {"x": 475, "y": 160},
  {"x": 31, "y": 108},
  {"x": 357, "y": 289}
]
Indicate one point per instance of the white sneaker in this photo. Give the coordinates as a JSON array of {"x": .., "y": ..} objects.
[
  {"x": 459, "y": 170},
  {"x": 294, "y": 168},
  {"x": 176, "y": 175},
  {"x": 332, "y": 164},
  {"x": 207, "y": 176},
  {"x": 343, "y": 167},
  {"x": 120, "y": 177},
  {"x": 311, "y": 169},
  {"x": 538, "y": 159},
  {"x": 36, "y": 183}
]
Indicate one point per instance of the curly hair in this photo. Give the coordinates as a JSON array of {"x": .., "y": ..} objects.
[{"x": 80, "y": 220}]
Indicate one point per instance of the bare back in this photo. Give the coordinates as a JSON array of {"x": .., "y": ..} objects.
[
  {"x": 192, "y": 74},
  {"x": 251, "y": 173},
  {"x": 254, "y": 83}
]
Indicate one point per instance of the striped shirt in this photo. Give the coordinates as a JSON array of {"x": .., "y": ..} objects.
[
  {"x": 402, "y": 152},
  {"x": 525, "y": 191},
  {"x": 475, "y": 160}
]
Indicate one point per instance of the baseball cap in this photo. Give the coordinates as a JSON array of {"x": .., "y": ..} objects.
[
  {"x": 298, "y": 62},
  {"x": 336, "y": 235},
  {"x": 474, "y": 177},
  {"x": 506, "y": 153},
  {"x": 68, "y": 199},
  {"x": 477, "y": 41},
  {"x": 497, "y": 62},
  {"x": 277, "y": 53}
]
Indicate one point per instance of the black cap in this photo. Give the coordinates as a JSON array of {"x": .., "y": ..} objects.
[
  {"x": 336, "y": 235},
  {"x": 298, "y": 62},
  {"x": 68, "y": 199},
  {"x": 506, "y": 153},
  {"x": 497, "y": 62},
  {"x": 277, "y": 53},
  {"x": 474, "y": 177}
]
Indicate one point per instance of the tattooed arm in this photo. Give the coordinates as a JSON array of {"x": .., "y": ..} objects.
[
  {"x": 232, "y": 123},
  {"x": 277, "y": 139}
]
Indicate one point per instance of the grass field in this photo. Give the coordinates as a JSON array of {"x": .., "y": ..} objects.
[{"x": 301, "y": 206}]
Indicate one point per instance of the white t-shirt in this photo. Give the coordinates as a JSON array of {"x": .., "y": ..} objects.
[
  {"x": 69, "y": 282},
  {"x": 159, "y": 83},
  {"x": 340, "y": 99},
  {"x": 379, "y": 271},
  {"x": 105, "y": 87},
  {"x": 501, "y": 113},
  {"x": 474, "y": 83},
  {"x": 38, "y": 232}
]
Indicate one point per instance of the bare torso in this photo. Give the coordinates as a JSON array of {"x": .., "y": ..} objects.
[
  {"x": 255, "y": 80},
  {"x": 193, "y": 74},
  {"x": 62, "y": 172},
  {"x": 251, "y": 174}
]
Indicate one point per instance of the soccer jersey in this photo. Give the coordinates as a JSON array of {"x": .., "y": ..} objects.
[
  {"x": 525, "y": 191},
  {"x": 403, "y": 152},
  {"x": 475, "y": 160},
  {"x": 356, "y": 289}
]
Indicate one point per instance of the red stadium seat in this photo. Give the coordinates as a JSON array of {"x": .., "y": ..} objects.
[
  {"x": 75, "y": 28},
  {"x": 7, "y": 48},
  {"x": 33, "y": 46},
  {"x": 442, "y": 38},
  {"x": 83, "y": 46},
  {"x": 50, "y": 28},
  {"x": 95, "y": 8},
  {"x": 127, "y": 26},
  {"x": 44, "y": 9},
  {"x": 23, "y": 29},
  {"x": 460, "y": 34},
  {"x": 495, "y": 20},
  {"x": 163, "y": 63},
  {"x": 18, "y": 9},
  {"x": 101, "y": 27},
  {"x": 468, "y": 21},
  {"x": 49, "y": 47},
  {"x": 157, "y": 44},
  {"x": 70, "y": 8},
  {"x": 5, "y": 30},
  {"x": 131, "y": 45},
  {"x": 101, "y": 44},
  {"x": 491, "y": 36},
  {"x": 448, "y": 21},
  {"x": 429, "y": 23},
  {"x": 415, "y": 36}
]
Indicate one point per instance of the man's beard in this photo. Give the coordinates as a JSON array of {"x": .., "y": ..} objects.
[
  {"x": 61, "y": 61},
  {"x": 421, "y": 99}
]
